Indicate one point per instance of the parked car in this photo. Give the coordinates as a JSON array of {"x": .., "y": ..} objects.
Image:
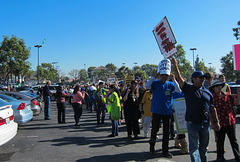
[
  {"x": 23, "y": 88},
  {"x": 234, "y": 88},
  {"x": 22, "y": 110},
  {"x": 8, "y": 128},
  {"x": 34, "y": 104}
]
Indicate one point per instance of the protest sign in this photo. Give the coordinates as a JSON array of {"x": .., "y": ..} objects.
[
  {"x": 165, "y": 38},
  {"x": 128, "y": 78},
  {"x": 179, "y": 107},
  {"x": 236, "y": 56}
]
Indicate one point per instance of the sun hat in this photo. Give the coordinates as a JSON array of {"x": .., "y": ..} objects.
[{"x": 216, "y": 82}]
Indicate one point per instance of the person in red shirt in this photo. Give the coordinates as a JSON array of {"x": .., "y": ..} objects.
[
  {"x": 224, "y": 102},
  {"x": 61, "y": 104}
]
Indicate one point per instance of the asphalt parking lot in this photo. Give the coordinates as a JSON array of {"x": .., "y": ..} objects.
[{"x": 46, "y": 140}]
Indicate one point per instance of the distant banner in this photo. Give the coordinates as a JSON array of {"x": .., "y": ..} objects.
[
  {"x": 165, "y": 38},
  {"x": 111, "y": 80},
  {"x": 236, "y": 56},
  {"x": 179, "y": 107}
]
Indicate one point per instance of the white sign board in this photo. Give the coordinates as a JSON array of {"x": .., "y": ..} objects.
[
  {"x": 165, "y": 38},
  {"x": 179, "y": 107},
  {"x": 111, "y": 80}
]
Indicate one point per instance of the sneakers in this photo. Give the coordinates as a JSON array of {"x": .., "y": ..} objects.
[{"x": 168, "y": 155}]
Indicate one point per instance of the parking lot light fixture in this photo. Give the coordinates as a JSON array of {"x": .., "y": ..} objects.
[{"x": 38, "y": 46}]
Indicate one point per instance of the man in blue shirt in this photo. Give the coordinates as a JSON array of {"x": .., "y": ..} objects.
[{"x": 161, "y": 107}]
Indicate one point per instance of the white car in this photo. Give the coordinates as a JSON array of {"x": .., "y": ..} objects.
[{"x": 8, "y": 128}]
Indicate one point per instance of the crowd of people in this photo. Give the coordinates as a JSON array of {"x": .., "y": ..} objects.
[{"x": 209, "y": 104}]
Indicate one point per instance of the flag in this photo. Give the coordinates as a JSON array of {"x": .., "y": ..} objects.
[{"x": 43, "y": 41}]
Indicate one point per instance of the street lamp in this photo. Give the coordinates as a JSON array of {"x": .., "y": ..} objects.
[
  {"x": 135, "y": 64},
  {"x": 123, "y": 64},
  {"x": 54, "y": 63},
  {"x": 210, "y": 64},
  {"x": 193, "y": 49},
  {"x": 38, "y": 46}
]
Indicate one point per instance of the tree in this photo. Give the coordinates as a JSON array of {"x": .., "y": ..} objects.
[
  {"x": 227, "y": 68},
  {"x": 183, "y": 64},
  {"x": 46, "y": 71},
  {"x": 111, "y": 68},
  {"x": 82, "y": 75},
  {"x": 30, "y": 74},
  {"x": 135, "y": 68},
  {"x": 213, "y": 70},
  {"x": 13, "y": 56},
  {"x": 120, "y": 73},
  {"x": 140, "y": 74},
  {"x": 236, "y": 30},
  {"x": 90, "y": 69},
  {"x": 101, "y": 74},
  {"x": 150, "y": 69},
  {"x": 200, "y": 66},
  {"x": 74, "y": 74}
]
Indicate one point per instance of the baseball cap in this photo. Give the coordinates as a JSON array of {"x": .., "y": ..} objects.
[{"x": 198, "y": 74}]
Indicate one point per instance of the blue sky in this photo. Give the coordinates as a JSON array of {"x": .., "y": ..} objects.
[{"x": 98, "y": 32}]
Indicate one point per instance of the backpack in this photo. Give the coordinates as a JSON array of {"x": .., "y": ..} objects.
[{"x": 99, "y": 97}]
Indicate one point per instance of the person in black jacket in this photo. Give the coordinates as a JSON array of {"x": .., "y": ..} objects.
[{"x": 46, "y": 97}]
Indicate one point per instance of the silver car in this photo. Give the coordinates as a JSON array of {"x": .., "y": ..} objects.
[{"x": 34, "y": 103}]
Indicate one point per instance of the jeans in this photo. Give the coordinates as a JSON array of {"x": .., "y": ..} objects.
[
  {"x": 147, "y": 124},
  {"x": 115, "y": 128},
  {"x": 46, "y": 106},
  {"x": 198, "y": 136}
]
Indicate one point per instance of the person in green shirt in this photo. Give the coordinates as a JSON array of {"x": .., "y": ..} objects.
[{"x": 114, "y": 101}]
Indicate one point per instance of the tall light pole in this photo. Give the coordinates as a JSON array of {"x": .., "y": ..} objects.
[
  {"x": 123, "y": 64},
  {"x": 54, "y": 63},
  {"x": 210, "y": 64},
  {"x": 38, "y": 46},
  {"x": 135, "y": 63},
  {"x": 193, "y": 49}
]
